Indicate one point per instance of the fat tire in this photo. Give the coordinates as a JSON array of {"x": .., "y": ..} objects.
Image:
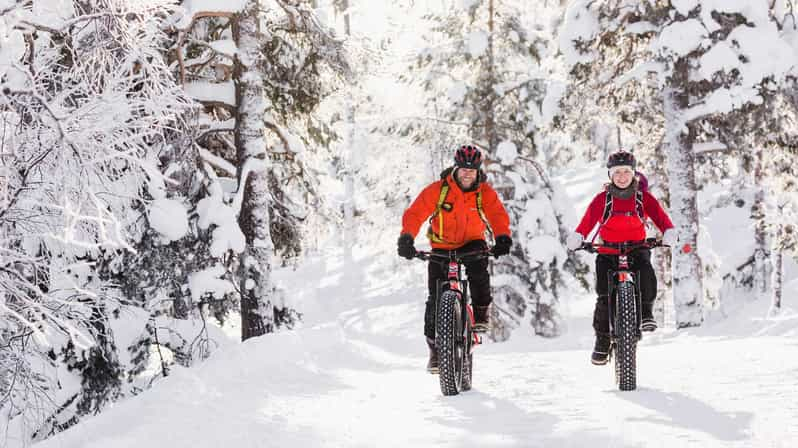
[
  {"x": 468, "y": 360},
  {"x": 626, "y": 337},
  {"x": 449, "y": 343}
]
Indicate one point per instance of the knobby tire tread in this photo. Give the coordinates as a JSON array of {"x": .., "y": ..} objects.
[
  {"x": 448, "y": 330},
  {"x": 626, "y": 337}
]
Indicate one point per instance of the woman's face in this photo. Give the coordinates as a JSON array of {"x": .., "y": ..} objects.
[{"x": 622, "y": 177}]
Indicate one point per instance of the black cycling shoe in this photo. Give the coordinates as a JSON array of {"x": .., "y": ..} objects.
[
  {"x": 481, "y": 319},
  {"x": 432, "y": 364},
  {"x": 601, "y": 350},
  {"x": 648, "y": 324}
]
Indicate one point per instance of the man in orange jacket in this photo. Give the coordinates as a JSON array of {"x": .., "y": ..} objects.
[{"x": 461, "y": 207}]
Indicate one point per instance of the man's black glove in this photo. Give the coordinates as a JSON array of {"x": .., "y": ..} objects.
[
  {"x": 405, "y": 246},
  {"x": 502, "y": 246}
]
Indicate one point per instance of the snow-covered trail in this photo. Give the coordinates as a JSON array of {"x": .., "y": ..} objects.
[
  {"x": 358, "y": 380},
  {"x": 354, "y": 377}
]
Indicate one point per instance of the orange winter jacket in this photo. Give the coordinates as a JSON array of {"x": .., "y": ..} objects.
[{"x": 458, "y": 222}]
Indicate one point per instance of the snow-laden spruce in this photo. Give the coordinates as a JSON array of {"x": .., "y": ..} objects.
[{"x": 86, "y": 101}]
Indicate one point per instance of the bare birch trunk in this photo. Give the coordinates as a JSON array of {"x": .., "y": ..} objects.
[
  {"x": 688, "y": 295},
  {"x": 491, "y": 135},
  {"x": 663, "y": 304},
  {"x": 761, "y": 252},
  {"x": 350, "y": 229},
  {"x": 778, "y": 275}
]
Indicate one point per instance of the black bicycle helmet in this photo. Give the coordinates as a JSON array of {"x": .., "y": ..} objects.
[{"x": 620, "y": 158}]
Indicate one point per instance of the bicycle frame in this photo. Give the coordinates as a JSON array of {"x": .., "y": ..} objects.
[
  {"x": 454, "y": 321},
  {"x": 624, "y": 306},
  {"x": 456, "y": 282},
  {"x": 623, "y": 274}
]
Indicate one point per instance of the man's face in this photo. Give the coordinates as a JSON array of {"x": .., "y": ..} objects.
[
  {"x": 622, "y": 177},
  {"x": 466, "y": 177}
]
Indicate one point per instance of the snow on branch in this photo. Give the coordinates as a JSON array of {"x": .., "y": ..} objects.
[
  {"x": 213, "y": 93},
  {"x": 224, "y": 47},
  {"x": 705, "y": 147},
  {"x": 109, "y": 230},
  {"x": 197, "y": 9},
  {"x": 252, "y": 164},
  {"x": 213, "y": 211},
  {"x": 299, "y": 19},
  {"x": 218, "y": 162},
  {"x": 290, "y": 141},
  {"x": 639, "y": 72}
]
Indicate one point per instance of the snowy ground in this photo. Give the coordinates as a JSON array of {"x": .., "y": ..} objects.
[
  {"x": 354, "y": 377},
  {"x": 359, "y": 381}
]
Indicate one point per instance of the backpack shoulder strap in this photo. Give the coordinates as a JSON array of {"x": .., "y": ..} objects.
[
  {"x": 431, "y": 234},
  {"x": 607, "y": 207},
  {"x": 442, "y": 196},
  {"x": 639, "y": 205}
]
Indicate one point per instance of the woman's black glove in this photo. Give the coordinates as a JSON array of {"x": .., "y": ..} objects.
[
  {"x": 502, "y": 246},
  {"x": 405, "y": 246}
]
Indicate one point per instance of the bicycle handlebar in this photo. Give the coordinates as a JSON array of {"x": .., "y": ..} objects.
[
  {"x": 623, "y": 248},
  {"x": 453, "y": 255}
]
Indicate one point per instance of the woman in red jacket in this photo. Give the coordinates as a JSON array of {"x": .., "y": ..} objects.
[
  {"x": 460, "y": 207},
  {"x": 621, "y": 211}
]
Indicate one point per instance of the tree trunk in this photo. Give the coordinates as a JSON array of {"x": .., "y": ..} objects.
[
  {"x": 663, "y": 304},
  {"x": 491, "y": 136},
  {"x": 688, "y": 288},
  {"x": 350, "y": 229},
  {"x": 778, "y": 276},
  {"x": 255, "y": 266},
  {"x": 761, "y": 252}
]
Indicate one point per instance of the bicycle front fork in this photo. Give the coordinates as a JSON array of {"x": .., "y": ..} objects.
[{"x": 615, "y": 278}]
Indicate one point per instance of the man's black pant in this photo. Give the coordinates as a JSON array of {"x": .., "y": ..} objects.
[
  {"x": 640, "y": 261},
  {"x": 478, "y": 282}
]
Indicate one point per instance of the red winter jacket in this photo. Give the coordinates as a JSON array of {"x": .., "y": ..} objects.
[
  {"x": 623, "y": 223},
  {"x": 461, "y": 224}
]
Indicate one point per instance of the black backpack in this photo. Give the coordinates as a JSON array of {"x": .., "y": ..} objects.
[{"x": 608, "y": 207}]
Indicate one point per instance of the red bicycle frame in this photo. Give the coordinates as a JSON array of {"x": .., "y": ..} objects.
[{"x": 455, "y": 282}]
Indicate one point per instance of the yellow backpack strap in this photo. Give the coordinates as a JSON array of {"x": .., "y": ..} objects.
[{"x": 433, "y": 236}]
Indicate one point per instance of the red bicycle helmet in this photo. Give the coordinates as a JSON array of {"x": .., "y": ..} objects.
[{"x": 468, "y": 156}]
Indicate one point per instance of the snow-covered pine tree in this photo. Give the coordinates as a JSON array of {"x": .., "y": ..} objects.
[
  {"x": 370, "y": 169},
  {"x": 86, "y": 100},
  {"x": 784, "y": 213},
  {"x": 484, "y": 84},
  {"x": 781, "y": 165},
  {"x": 700, "y": 61},
  {"x": 257, "y": 68}
]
